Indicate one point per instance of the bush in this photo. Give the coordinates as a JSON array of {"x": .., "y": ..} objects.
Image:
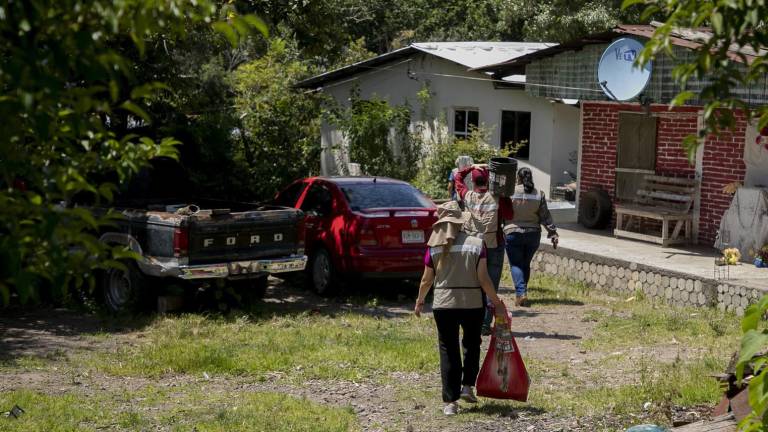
[{"x": 442, "y": 151}]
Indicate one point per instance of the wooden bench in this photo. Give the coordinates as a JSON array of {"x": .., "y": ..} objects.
[{"x": 665, "y": 199}]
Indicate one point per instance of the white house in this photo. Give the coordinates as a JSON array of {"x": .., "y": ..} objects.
[{"x": 465, "y": 97}]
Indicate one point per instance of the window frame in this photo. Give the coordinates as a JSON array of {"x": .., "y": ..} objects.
[{"x": 466, "y": 133}]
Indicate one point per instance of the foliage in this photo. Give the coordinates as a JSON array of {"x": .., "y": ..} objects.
[
  {"x": 378, "y": 136},
  {"x": 754, "y": 357},
  {"x": 442, "y": 151},
  {"x": 736, "y": 25},
  {"x": 279, "y": 138},
  {"x": 75, "y": 110}
]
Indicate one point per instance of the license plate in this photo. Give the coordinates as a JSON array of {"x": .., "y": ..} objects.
[
  {"x": 413, "y": 236},
  {"x": 280, "y": 267}
]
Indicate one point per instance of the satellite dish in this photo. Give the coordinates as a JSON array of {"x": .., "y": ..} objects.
[{"x": 617, "y": 74}]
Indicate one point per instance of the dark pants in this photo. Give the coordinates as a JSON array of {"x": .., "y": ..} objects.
[
  {"x": 453, "y": 374},
  {"x": 520, "y": 250},
  {"x": 495, "y": 260}
]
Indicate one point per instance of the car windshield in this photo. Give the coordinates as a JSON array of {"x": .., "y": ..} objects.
[{"x": 384, "y": 195}]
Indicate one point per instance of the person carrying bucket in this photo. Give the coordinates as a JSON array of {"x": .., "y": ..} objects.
[
  {"x": 487, "y": 211},
  {"x": 455, "y": 264}
]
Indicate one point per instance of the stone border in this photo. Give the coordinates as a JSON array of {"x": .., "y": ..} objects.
[{"x": 611, "y": 274}]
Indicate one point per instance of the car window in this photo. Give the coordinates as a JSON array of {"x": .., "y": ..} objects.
[
  {"x": 318, "y": 199},
  {"x": 290, "y": 195},
  {"x": 384, "y": 195}
]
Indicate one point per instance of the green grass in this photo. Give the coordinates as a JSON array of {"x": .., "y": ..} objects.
[
  {"x": 346, "y": 346},
  {"x": 150, "y": 408},
  {"x": 623, "y": 367}
]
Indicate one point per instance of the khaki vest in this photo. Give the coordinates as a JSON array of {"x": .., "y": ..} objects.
[
  {"x": 456, "y": 284},
  {"x": 484, "y": 222},
  {"x": 526, "y": 207}
]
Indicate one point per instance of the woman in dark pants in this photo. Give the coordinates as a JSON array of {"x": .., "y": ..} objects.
[
  {"x": 456, "y": 265},
  {"x": 524, "y": 231}
]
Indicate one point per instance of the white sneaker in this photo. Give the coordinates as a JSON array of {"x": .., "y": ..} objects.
[
  {"x": 451, "y": 408},
  {"x": 468, "y": 395}
]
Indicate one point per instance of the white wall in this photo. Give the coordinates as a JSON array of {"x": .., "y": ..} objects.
[{"x": 552, "y": 125}]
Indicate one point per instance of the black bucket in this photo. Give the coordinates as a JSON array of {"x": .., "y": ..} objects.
[{"x": 502, "y": 173}]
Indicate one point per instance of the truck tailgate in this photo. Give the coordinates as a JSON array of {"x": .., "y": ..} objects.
[{"x": 270, "y": 232}]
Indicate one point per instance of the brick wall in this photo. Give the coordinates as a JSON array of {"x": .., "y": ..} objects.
[
  {"x": 723, "y": 163},
  {"x": 722, "y": 155}
]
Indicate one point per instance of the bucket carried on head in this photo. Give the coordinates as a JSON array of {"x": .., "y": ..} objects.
[{"x": 502, "y": 174}]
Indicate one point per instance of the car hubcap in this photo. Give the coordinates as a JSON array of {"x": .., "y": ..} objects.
[
  {"x": 118, "y": 289},
  {"x": 322, "y": 272}
]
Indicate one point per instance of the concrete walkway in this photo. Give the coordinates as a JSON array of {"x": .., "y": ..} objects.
[{"x": 697, "y": 261}]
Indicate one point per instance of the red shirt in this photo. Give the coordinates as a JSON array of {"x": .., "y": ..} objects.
[{"x": 505, "y": 203}]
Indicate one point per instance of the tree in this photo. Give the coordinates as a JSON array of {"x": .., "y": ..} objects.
[
  {"x": 278, "y": 139},
  {"x": 74, "y": 110},
  {"x": 737, "y": 27}
]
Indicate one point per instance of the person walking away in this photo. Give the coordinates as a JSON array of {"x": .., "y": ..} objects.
[
  {"x": 523, "y": 231},
  {"x": 455, "y": 264},
  {"x": 462, "y": 162},
  {"x": 487, "y": 211}
]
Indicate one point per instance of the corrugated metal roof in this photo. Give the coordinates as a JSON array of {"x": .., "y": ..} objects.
[
  {"x": 478, "y": 54},
  {"x": 467, "y": 54}
]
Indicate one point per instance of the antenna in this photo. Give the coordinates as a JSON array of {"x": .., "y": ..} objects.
[{"x": 617, "y": 73}]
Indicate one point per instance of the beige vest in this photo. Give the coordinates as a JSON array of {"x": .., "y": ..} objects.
[
  {"x": 456, "y": 283},
  {"x": 484, "y": 222},
  {"x": 526, "y": 208}
]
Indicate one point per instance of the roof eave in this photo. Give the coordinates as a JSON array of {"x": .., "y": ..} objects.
[{"x": 318, "y": 81}]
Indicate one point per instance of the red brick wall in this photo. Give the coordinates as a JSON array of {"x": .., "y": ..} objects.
[
  {"x": 722, "y": 155},
  {"x": 723, "y": 163}
]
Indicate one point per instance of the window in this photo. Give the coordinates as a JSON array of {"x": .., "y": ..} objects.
[
  {"x": 290, "y": 195},
  {"x": 383, "y": 195},
  {"x": 516, "y": 130},
  {"x": 464, "y": 121},
  {"x": 318, "y": 200}
]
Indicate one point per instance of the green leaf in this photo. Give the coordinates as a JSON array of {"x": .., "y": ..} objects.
[
  {"x": 752, "y": 343},
  {"x": 257, "y": 23},
  {"x": 717, "y": 22},
  {"x": 136, "y": 110},
  {"x": 226, "y": 30},
  {"x": 682, "y": 97},
  {"x": 753, "y": 314},
  {"x": 627, "y": 3}
]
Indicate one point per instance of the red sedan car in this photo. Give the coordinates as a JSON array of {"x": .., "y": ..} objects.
[{"x": 369, "y": 227}]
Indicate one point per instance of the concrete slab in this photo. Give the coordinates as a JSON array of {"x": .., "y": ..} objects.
[{"x": 697, "y": 261}]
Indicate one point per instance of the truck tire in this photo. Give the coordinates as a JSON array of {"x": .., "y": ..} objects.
[
  {"x": 595, "y": 209},
  {"x": 322, "y": 275},
  {"x": 250, "y": 290},
  {"x": 124, "y": 290}
]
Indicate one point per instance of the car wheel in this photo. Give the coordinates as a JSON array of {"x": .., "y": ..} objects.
[
  {"x": 323, "y": 275},
  {"x": 124, "y": 290},
  {"x": 250, "y": 290}
]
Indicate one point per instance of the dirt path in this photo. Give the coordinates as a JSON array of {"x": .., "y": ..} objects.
[{"x": 548, "y": 331}]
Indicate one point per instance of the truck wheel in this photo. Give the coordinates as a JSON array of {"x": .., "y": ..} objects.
[
  {"x": 250, "y": 290},
  {"x": 322, "y": 274},
  {"x": 595, "y": 209},
  {"x": 124, "y": 290}
]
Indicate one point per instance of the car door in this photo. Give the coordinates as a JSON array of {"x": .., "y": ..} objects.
[{"x": 317, "y": 206}]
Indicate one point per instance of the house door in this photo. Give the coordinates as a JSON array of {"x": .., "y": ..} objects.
[{"x": 635, "y": 153}]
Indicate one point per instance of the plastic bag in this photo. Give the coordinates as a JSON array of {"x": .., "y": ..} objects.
[{"x": 503, "y": 374}]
